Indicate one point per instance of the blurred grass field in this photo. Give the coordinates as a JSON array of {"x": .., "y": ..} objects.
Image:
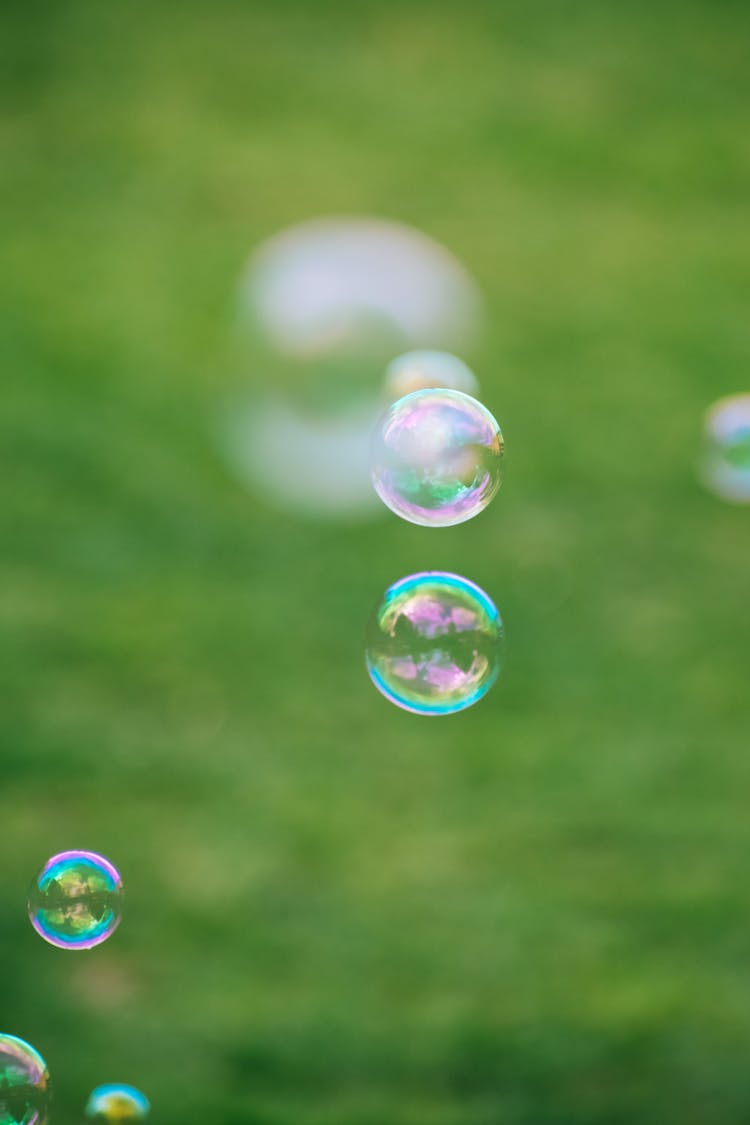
[{"x": 536, "y": 912}]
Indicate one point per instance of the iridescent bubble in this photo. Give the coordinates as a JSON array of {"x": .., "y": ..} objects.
[
  {"x": 75, "y": 902},
  {"x": 24, "y": 1083},
  {"x": 417, "y": 371},
  {"x": 725, "y": 468},
  {"x": 436, "y": 457},
  {"x": 117, "y": 1101},
  {"x": 434, "y": 643},
  {"x": 323, "y": 307}
]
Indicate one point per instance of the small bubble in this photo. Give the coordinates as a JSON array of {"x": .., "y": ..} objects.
[{"x": 75, "y": 902}]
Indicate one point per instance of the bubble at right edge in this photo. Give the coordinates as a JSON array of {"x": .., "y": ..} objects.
[
  {"x": 117, "y": 1102},
  {"x": 434, "y": 643},
  {"x": 24, "y": 1083},
  {"x": 725, "y": 465}
]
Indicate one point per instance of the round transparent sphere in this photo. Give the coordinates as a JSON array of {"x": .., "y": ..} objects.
[
  {"x": 436, "y": 457},
  {"x": 75, "y": 902},
  {"x": 421, "y": 370},
  {"x": 434, "y": 643},
  {"x": 726, "y": 449},
  {"x": 24, "y": 1083},
  {"x": 116, "y": 1101}
]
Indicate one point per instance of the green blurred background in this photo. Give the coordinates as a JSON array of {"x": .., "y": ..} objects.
[{"x": 536, "y": 911}]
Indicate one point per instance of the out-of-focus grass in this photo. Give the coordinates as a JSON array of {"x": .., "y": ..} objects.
[{"x": 537, "y": 911}]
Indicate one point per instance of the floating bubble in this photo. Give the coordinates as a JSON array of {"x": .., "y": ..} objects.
[
  {"x": 420, "y": 370},
  {"x": 24, "y": 1083},
  {"x": 75, "y": 901},
  {"x": 434, "y": 643},
  {"x": 436, "y": 457},
  {"x": 329, "y": 284},
  {"x": 323, "y": 307},
  {"x": 726, "y": 456},
  {"x": 117, "y": 1101},
  {"x": 307, "y": 461}
]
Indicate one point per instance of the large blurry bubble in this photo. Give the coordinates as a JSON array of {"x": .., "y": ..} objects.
[
  {"x": 75, "y": 902},
  {"x": 24, "y": 1083},
  {"x": 433, "y": 643},
  {"x": 436, "y": 457},
  {"x": 331, "y": 284},
  {"x": 324, "y": 307},
  {"x": 725, "y": 467}
]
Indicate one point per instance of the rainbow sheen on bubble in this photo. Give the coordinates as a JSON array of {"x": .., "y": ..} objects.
[
  {"x": 436, "y": 457},
  {"x": 725, "y": 467},
  {"x": 116, "y": 1101},
  {"x": 75, "y": 902},
  {"x": 420, "y": 370},
  {"x": 24, "y": 1083},
  {"x": 434, "y": 643}
]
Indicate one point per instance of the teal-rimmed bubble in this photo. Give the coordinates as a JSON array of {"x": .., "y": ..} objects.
[
  {"x": 434, "y": 643},
  {"x": 24, "y": 1083},
  {"x": 116, "y": 1101},
  {"x": 75, "y": 902}
]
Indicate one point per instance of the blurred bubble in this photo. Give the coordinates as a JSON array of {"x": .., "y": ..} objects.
[
  {"x": 436, "y": 457},
  {"x": 303, "y": 461},
  {"x": 24, "y": 1083},
  {"x": 323, "y": 307},
  {"x": 75, "y": 901},
  {"x": 725, "y": 467},
  {"x": 433, "y": 643},
  {"x": 420, "y": 370},
  {"x": 117, "y": 1101},
  {"x": 332, "y": 283}
]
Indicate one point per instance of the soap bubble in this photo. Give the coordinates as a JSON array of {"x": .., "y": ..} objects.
[
  {"x": 433, "y": 643},
  {"x": 726, "y": 456},
  {"x": 117, "y": 1101},
  {"x": 323, "y": 307},
  {"x": 75, "y": 901},
  {"x": 417, "y": 371},
  {"x": 436, "y": 457},
  {"x": 309, "y": 461},
  {"x": 24, "y": 1083},
  {"x": 329, "y": 284}
]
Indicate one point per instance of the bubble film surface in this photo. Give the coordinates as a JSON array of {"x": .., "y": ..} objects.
[
  {"x": 436, "y": 457},
  {"x": 725, "y": 467},
  {"x": 117, "y": 1101},
  {"x": 434, "y": 643},
  {"x": 417, "y": 371},
  {"x": 24, "y": 1083},
  {"x": 75, "y": 902}
]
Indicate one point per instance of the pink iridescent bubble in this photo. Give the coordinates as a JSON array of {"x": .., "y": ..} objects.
[{"x": 436, "y": 457}]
